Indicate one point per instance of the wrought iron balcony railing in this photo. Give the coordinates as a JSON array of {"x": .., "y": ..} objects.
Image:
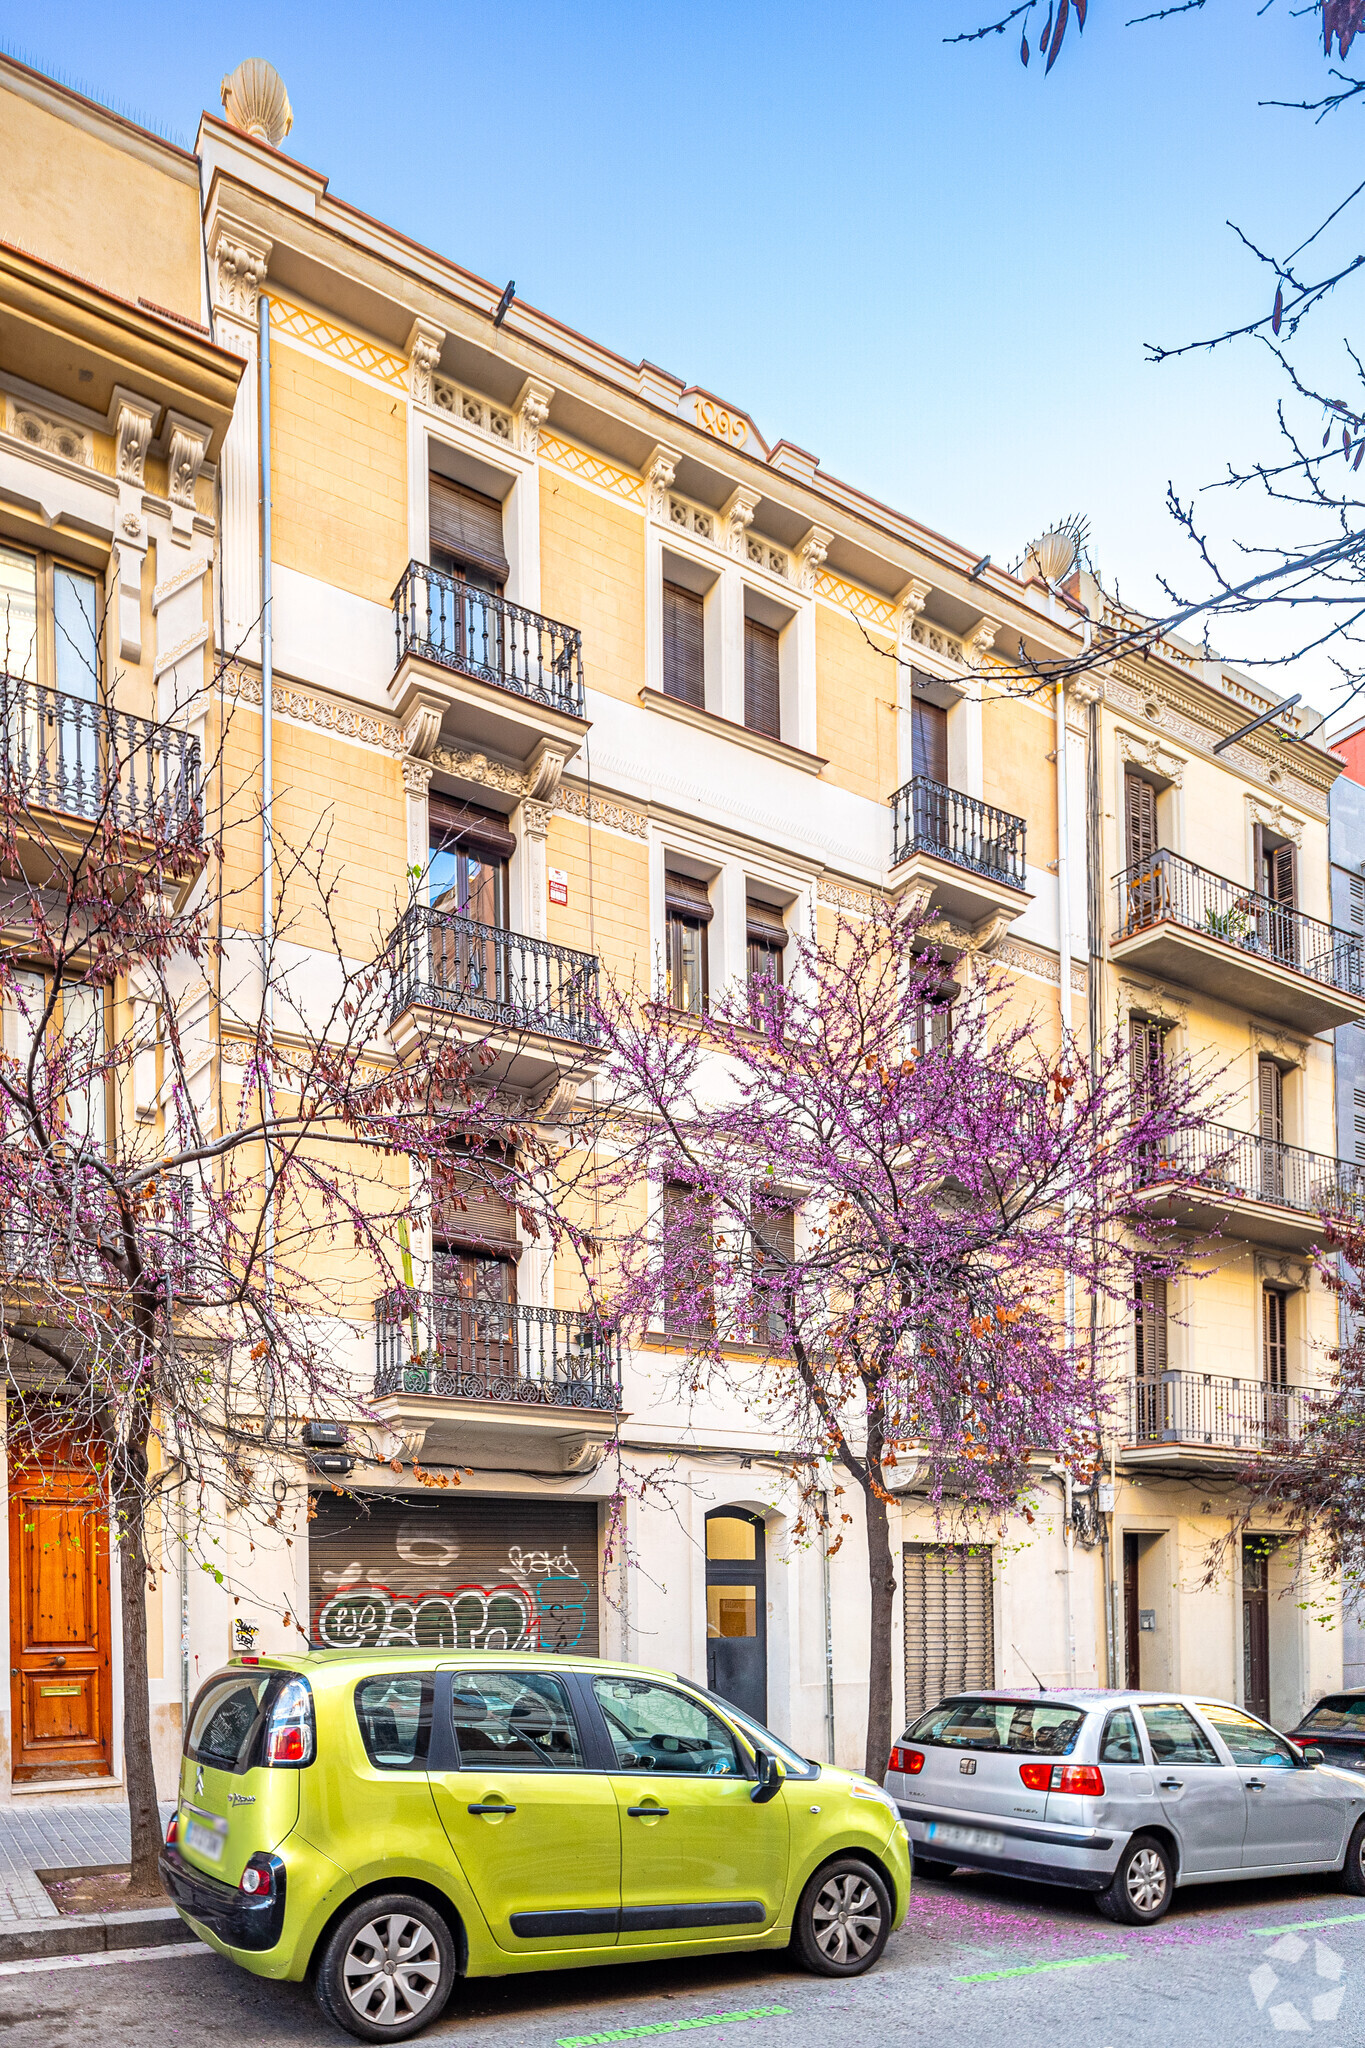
[
  {"x": 928, "y": 817},
  {"x": 1170, "y": 890},
  {"x": 461, "y": 1350},
  {"x": 1201, "y": 1409},
  {"x": 58, "y": 1251},
  {"x": 60, "y": 754},
  {"x": 501, "y": 978},
  {"x": 1248, "y": 1168},
  {"x": 443, "y": 619}
]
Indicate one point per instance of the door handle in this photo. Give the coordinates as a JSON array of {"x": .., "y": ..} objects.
[
  {"x": 1255, "y": 1784},
  {"x": 490, "y": 1806},
  {"x": 1169, "y": 1784},
  {"x": 647, "y": 1812},
  {"x": 59, "y": 1662}
]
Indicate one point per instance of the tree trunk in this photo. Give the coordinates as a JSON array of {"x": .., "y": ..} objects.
[
  {"x": 881, "y": 1579},
  {"x": 144, "y": 1818}
]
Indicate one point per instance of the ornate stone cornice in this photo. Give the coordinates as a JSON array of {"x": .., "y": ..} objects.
[
  {"x": 1187, "y": 714},
  {"x": 1265, "y": 811},
  {"x": 1150, "y": 755}
]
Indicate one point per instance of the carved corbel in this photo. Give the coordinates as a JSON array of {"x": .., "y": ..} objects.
[
  {"x": 424, "y": 353},
  {"x": 659, "y": 472},
  {"x": 184, "y": 444},
  {"x": 988, "y": 934},
  {"x": 131, "y": 420},
  {"x": 239, "y": 256},
  {"x": 536, "y": 818},
  {"x": 737, "y": 515},
  {"x": 909, "y": 605},
  {"x": 532, "y": 409},
  {"x": 422, "y": 732},
  {"x": 557, "y": 1101},
  {"x": 977, "y": 643},
  {"x": 543, "y": 772},
  {"x": 812, "y": 550}
]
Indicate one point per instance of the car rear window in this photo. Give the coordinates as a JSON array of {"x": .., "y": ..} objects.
[
  {"x": 225, "y": 1718},
  {"x": 394, "y": 1713},
  {"x": 1342, "y": 1715},
  {"x": 1019, "y": 1727}
]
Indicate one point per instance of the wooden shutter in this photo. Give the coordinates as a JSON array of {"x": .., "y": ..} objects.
[
  {"x": 469, "y": 827},
  {"x": 454, "y": 1574},
  {"x": 1275, "y": 1326},
  {"x": 686, "y": 897},
  {"x": 468, "y": 525},
  {"x": 929, "y": 740},
  {"x": 1282, "y": 877},
  {"x": 1270, "y": 1100},
  {"x": 1144, "y": 1053},
  {"x": 1139, "y": 805},
  {"x": 949, "y": 1622},
  {"x": 1150, "y": 1315},
  {"x": 684, "y": 646},
  {"x": 761, "y": 701}
]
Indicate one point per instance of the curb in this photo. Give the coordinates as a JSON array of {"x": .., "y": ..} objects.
[{"x": 78, "y": 1934}]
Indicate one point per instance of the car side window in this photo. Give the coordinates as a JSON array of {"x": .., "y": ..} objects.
[
  {"x": 1119, "y": 1744},
  {"x": 514, "y": 1721},
  {"x": 394, "y": 1713},
  {"x": 1176, "y": 1737},
  {"x": 1249, "y": 1740},
  {"x": 654, "y": 1728}
]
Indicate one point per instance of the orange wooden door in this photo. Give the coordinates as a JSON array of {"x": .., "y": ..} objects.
[{"x": 60, "y": 1691}]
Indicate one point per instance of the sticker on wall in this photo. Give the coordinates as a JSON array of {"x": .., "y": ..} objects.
[
  {"x": 244, "y": 1634},
  {"x": 559, "y": 886}
]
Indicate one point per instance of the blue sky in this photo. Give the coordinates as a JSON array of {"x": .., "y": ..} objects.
[{"x": 934, "y": 269}]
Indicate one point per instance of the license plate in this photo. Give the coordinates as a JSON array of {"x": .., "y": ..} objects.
[
  {"x": 206, "y": 1838},
  {"x": 965, "y": 1838}
]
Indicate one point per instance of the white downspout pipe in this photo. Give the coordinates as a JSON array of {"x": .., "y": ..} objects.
[{"x": 267, "y": 800}]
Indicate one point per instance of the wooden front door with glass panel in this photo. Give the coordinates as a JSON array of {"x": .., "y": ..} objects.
[
  {"x": 737, "y": 1609},
  {"x": 60, "y": 1678}
]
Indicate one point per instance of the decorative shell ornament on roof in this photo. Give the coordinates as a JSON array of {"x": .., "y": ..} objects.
[
  {"x": 254, "y": 100},
  {"x": 1057, "y": 552}
]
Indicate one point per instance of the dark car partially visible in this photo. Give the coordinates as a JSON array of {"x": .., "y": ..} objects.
[{"x": 1336, "y": 1726}]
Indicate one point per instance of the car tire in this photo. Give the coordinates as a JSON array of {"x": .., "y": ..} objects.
[
  {"x": 843, "y": 1918},
  {"x": 1353, "y": 1869},
  {"x": 930, "y": 1866},
  {"x": 1142, "y": 1887},
  {"x": 387, "y": 1968}
]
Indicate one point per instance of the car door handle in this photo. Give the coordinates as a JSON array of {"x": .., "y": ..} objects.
[
  {"x": 490, "y": 1806},
  {"x": 1169, "y": 1784},
  {"x": 647, "y": 1812},
  {"x": 1254, "y": 1784}
]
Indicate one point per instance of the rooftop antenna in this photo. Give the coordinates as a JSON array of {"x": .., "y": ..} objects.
[{"x": 505, "y": 302}]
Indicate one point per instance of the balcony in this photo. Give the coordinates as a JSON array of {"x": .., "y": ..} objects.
[
  {"x": 1198, "y": 1420},
  {"x": 70, "y": 766},
  {"x": 507, "y": 679},
  {"x": 966, "y": 857},
  {"x": 528, "y": 1001},
  {"x": 1179, "y": 921},
  {"x": 497, "y": 1385},
  {"x": 1249, "y": 1187}
]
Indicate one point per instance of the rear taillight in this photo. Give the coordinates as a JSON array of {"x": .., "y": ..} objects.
[
  {"x": 173, "y": 1829},
  {"x": 258, "y": 1879},
  {"x": 907, "y": 1761},
  {"x": 289, "y": 1734},
  {"x": 285, "y": 1746},
  {"x": 1086, "y": 1779}
]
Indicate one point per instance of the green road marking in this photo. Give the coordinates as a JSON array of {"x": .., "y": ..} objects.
[
  {"x": 1020, "y": 1970},
  {"x": 710, "y": 2019},
  {"x": 1297, "y": 1926}
]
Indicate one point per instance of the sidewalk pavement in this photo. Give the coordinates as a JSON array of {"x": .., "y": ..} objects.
[{"x": 56, "y": 1834}]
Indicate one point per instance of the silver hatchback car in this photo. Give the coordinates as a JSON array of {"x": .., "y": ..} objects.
[{"x": 1123, "y": 1794}]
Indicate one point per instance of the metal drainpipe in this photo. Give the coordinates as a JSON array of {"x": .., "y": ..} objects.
[
  {"x": 267, "y": 802},
  {"x": 829, "y": 1628},
  {"x": 1064, "y": 1002}
]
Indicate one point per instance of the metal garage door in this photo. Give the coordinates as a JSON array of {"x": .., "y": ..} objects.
[{"x": 949, "y": 1622}]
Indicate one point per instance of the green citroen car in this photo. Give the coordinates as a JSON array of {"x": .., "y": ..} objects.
[{"x": 382, "y": 1822}]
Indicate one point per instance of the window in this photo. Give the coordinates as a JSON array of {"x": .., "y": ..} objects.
[
  {"x": 1270, "y": 1100},
  {"x": 1250, "y": 1742},
  {"x": 654, "y": 1728},
  {"x": 1146, "y": 1058},
  {"x": 772, "y": 1252},
  {"x": 684, "y": 646},
  {"x": 687, "y": 913},
  {"x": 1176, "y": 1737},
  {"x": 1149, "y": 1315},
  {"x": 1276, "y": 869},
  {"x": 1120, "y": 1743},
  {"x": 1139, "y": 821},
  {"x": 225, "y": 1718},
  {"x": 928, "y": 740},
  {"x": 50, "y": 625},
  {"x": 467, "y": 864},
  {"x": 767, "y": 936},
  {"x": 762, "y": 702},
  {"x": 466, "y": 535},
  {"x": 1023, "y": 1728},
  {"x": 394, "y": 1713},
  {"x": 689, "y": 1303},
  {"x": 1275, "y": 1336},
  {"x": 949, "y": 1621},
  {"x": 514, "y": 1721}
]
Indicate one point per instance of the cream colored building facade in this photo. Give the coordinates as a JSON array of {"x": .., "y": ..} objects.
[{"x": 636, "y": 685}]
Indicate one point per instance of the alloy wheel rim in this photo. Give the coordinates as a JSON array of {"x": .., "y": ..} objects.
[
  {"x": 392, "y": 1969},
  {"x": 846, "y": 1918},
  {"x": 1145, "y": 1880}
]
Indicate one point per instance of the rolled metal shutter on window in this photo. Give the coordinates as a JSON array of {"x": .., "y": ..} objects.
[
  {"x": 468, "y": 525},
  {"x": 435, "y": 1573},
  {"x": 686, "y": 897},
  {"x": 765, "y": 925},
  {"x": 949, "y": 1623}
]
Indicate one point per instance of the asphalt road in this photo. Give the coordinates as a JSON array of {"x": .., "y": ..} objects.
[{"x": 981, "y": 1963}]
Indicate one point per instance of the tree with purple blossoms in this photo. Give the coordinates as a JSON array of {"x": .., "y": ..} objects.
[{"x": 880, "y": 1215}]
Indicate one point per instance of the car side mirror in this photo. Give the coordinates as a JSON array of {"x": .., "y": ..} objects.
[
  {"x": 1311, "y": 1754},
  {"x": 769, "y": 1778}
]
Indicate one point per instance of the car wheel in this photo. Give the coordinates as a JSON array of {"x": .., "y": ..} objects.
[
  {"x": 843, "y": 1919},
  {"x": 387, "y": 1968},
  {"x": 1140, "y": 1890},
  {"x": 1353, "y": 1869},
  {"x": 929, "y": 1866}
]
